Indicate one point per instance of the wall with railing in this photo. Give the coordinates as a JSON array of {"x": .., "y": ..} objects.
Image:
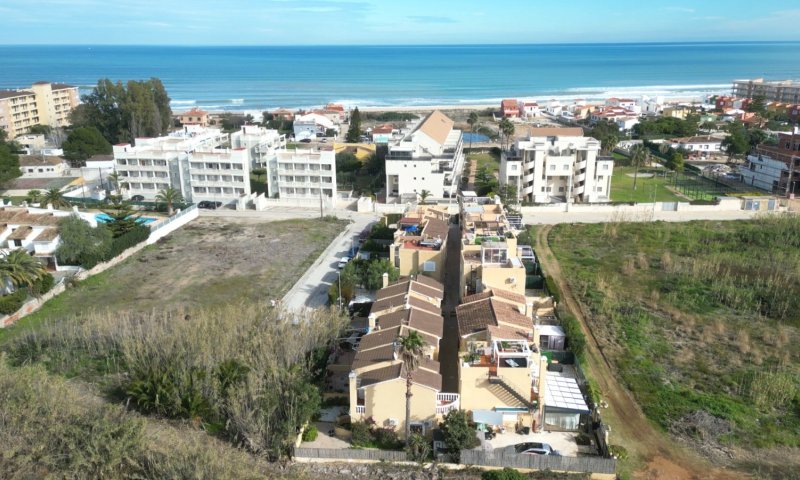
[{"x": 164, "y": 227}]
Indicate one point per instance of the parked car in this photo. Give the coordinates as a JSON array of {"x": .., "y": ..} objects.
[
  {"x": 305, "y": 140},
  {"x": 210, "y": 205},
  {"x": 137, "y": 198},
  {"x": 343, "y": 262},
  {"x": 535, "y": 448}
]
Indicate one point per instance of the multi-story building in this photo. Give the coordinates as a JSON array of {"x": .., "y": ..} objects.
[
  {"x": 775, "y": 168},
  {"x": 558, "y": 165},
  {"x": 262, "y": 145},
  {"x": 194, "y": 116},
  {"x": 378, "y": 377},
  {"x": 489, "y": 254},
  {"x": 510, "y": 108},
  {"x": 192, "y": 160},
  {"x": 44, "y": 103},
  {"x": 429, "y": 158},
  {"x": 304, "y": 173},
  {"x": 420, "y": 243},
  {"x": 786, "y": 91}
]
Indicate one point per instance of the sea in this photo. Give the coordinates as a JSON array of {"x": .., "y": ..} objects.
[{"x": 255, "y": 78}]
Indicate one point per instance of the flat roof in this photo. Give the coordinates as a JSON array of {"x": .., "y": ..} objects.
[{"x": 563, "y": 393}]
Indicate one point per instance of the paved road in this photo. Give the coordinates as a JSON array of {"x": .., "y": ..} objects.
[
  {"x": 311, "y": 291},
  {"x": 552, "y": 218}
]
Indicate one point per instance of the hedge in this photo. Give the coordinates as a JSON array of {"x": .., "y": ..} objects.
[
  {"x": 552, "y": 288},
  {"x": 43, "y": 285},
  {"x": 118, "y": 245},
  {"x": 13, "y": 301}
]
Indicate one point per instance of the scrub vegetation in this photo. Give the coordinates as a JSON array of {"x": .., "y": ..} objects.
[{"x": 701, "y": 321}]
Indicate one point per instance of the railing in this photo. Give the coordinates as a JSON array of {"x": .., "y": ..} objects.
[
  {"x": 451, "y": 401},
  {"x": 159, "y": 225},
  {"x": 361, "y": 409},
  {"x": 501, "y": 458}
]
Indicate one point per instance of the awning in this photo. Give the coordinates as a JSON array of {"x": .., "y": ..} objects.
[
  {"x": 487, "y": 416},
  {"x": 551, "y": 331}
]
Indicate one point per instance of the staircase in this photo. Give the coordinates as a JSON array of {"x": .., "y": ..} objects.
[{"x": 506, "y": 393}]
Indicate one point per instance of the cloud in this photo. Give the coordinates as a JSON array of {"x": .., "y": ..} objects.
[
  {"x": 679, "y": 9},
  {"x": 431, "y": 19}
]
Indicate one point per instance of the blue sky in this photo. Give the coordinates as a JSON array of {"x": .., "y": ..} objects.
[{"x": 314, "y": 22}]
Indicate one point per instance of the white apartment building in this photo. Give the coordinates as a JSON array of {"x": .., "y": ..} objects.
[
  {"x": 558, "y": 165},
  {"x": 429, "y": 158},
  {"x": 305, "y": 173},
  {"x": 763, "y": 172},
  {"x": 262, "y": 145},
  {"x": 192, "y": 160}
]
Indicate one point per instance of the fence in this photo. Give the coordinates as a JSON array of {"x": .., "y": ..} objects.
[
  {"x": 163, "y": 228},
  {"x": 350, "y": 454},
  {"x": 501, "y": 459}
]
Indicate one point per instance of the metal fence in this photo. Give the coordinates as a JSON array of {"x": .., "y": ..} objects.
[
  {"x": 500, "y": 458},
  {"x": 351, "y": 454}
]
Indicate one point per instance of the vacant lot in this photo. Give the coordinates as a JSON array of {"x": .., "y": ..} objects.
[
  {"x": 208, "y": 262},
  {"x": 650, "y": 182},
  {"x": 701, "y": 320}
]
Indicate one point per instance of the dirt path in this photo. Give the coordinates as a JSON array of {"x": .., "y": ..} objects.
[{"x": 662, "y": 457}]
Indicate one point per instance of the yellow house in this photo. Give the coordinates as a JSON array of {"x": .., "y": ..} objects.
[
  {"x": 500, "y": 368},
  {"x": 420, "y": 246}
]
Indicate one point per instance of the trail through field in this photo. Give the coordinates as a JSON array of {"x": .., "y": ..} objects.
[{"x": 662, "y": 457}]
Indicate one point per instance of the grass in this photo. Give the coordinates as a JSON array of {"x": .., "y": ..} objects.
[
  {"x": 485, "y": 160},
  {"x": 701, "y": 322},
  {"x": 622, "y": 186},
  {"x": 208, "y": 262}
]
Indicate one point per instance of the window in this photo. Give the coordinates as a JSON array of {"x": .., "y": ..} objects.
[
  {"x": 560, "y": 189},
  {"x": 605, "y": 166},
  {"x": 552, "y": 167},
  {"x": 543, "y": 189},
  {"x": 513, "y": 168},
  {"x": 429, "y": 267},
  {"x": 566, "y": 167},
  {"x": 417, "y": 428}
]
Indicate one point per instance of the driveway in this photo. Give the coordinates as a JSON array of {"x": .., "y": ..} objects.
[{"x": 311, "y": 291}]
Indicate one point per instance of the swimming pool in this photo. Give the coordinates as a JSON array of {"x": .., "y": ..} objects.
[
  {"x": 103, "y": 218},
  {"x": 476, "y": 138}
]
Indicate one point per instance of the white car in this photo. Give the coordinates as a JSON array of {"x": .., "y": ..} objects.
[{"x": 343, "y": 262}]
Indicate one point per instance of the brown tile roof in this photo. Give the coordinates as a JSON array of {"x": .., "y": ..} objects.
[
  {"x": 387, "y": 128},
  {"x": 397, "y": 371},
  {"x": 437, "y": 126},
  {"x": 39, "y": 160},
  {"x": 556, "y": 132},
  {"x": 509, "y": 315},
  {"x": 374, "y": 355},
  {"x": 506, "y": 333},
  {"x": 388, "y": 303},
  {"x": 428, "y": 281},
  {"x": 389, "y": 336},
  {"x": 386, "y": 296},
  {"x": 21, "y": 233},
  {"x": 435, "y": 228},
  {"x": 514, "y": 297},
  {"x": 14, "y": 93},
  {"x": 478, "y": 315},
  {"x": 400, "y": 288},
  {"x": 419, "y": 320},
  {"x": 425, "y": 290},
  {"x": 22, "y": 217},
  {"x": 425, "y": 378},
  {"x": 46, "y": 235},
  {"x": 415, "y": 302},
  {"x": 476, "y": 296},
  {"x": 429, "y": 364}
]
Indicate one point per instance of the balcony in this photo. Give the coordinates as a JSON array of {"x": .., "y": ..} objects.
[
  {"x": 446, "y": 402},
  {"x": 363, "y": 409}
]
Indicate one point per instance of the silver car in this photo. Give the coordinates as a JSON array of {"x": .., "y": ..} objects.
[{"x": 535, "y": 448}]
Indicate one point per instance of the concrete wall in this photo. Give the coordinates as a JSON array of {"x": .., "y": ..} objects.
[
  {"x": 726, "y": 204},
  {"x": 477, "y": 393},
  {"x": 388, "y": 400}
]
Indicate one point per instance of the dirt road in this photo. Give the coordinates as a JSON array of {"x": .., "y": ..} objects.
[{"x": 659, "y": 456}]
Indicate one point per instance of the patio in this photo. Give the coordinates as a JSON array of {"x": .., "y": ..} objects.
[{"x": 564, "y": 442}]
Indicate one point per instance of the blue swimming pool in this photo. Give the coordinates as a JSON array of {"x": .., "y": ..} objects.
[
  {"x": 476, "y": 138},
  {"x": 103, "y": 218}
]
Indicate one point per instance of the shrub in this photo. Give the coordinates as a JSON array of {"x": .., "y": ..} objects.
[
  {"x": 13, "y": 301},
  {"x": 419, "y": 448},
  {"x": 42, "y": 285},
  {"x": 504, "y": 474},
  {"x": 552, "y": 288},
  {"x": 458, "y": 433},
  {"x": 385, "y": 438},
  {"x": 362, "y": 435},
  {"x": 310, "y": 434},
  {"x": 575, "y": 337},
  {"x": 618, "y": 451},
  {"x": 583, "y": 439}
]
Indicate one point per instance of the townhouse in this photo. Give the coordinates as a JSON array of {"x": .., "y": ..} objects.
[
  {"x": 44, "y": 103},
  {"x": 38, "y": 166},
  {"x": 775, "y": 168},
  {"x": 557, "y": 165},
  {"x": 420, "y": 242},
  {"x": 429, "y": 158},
  {"x": 378, "y": 378}
]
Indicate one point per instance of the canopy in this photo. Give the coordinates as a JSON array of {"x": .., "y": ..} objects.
[{"x": 487, "y": 416}]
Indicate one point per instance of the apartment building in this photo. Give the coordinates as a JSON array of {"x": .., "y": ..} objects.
[
  {"x": 775, "y": 168},
  {"x": 262, "y": 145},
  {"x": 377, "y": 380},
  {"x": 785, "y": 91},
  {"x": 44, "y": 103},
  {"x": 489, "y": 254},
  {"x": 558, "y": 165},
  {"x": 193, "y": 160},
  {"x": 420, "y": 242},
  {"x": 303, "y": 173},
  {"x": 429, "y": 158}
]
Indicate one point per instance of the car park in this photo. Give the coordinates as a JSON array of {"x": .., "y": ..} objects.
[{"x": 209, "y": 205}]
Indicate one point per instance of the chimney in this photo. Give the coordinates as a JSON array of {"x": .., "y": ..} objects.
[
  {"x": 385, "y": 280},
  {"x": 371, "y": 322}
]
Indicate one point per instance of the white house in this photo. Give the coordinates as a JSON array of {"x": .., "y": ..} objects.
[
  {"x": 554, "y": 107},
  {"x": 624, "y": 118},
  {"x": 529, "y": 109},
  {"x": 41, "y": 166},
  {"x": 625, "y": 103},
  {"x": 763, "y": 172},
  {"x": 430, "y": 158},
  {"x": 312, "y": 125},
  {"x": 702, "y": 145},
  {"x": 558, "y": 165}
]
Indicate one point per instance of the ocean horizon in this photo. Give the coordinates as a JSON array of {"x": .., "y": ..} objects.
[{"x": 255, "y": 78}]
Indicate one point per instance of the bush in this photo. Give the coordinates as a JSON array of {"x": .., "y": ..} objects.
[
  {"x": 552, "y": 288},
  {"x": 362, "y": 435},
  {"x": 458, "y": 433},
  {"x": 13, "y": 301},
  {"x": 576, "y": 340},
  {"x": 137, "y": 235},
  {"x": 386, "y": 438},
  {"x": 310, "y": 434},
  {"x": 504, "y": 474},
  {"x": 42, "y": 285},
  {"x": 618, "y": 451},
  {"x": 583, "y": 439}
]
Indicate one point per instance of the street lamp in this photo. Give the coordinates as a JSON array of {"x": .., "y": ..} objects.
[{"x": 339, "y": 284}]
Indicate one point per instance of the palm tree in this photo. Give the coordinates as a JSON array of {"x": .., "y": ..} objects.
[
  {"x": 170, "y": 196},
  {"x": 20, "y": 269},
  {"x": 423, "y": 195},
  {"x": 507, "y": 130},
  {"x": 34, "y": 195},
  {"x": 640, "y": 154},
  {"x": 55, "y": 198},
  {"x": 472, "y": 121},
  {"x": 410, "y": 352}
]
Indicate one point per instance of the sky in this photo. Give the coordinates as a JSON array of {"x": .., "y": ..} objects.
[{"x": 400, "y": 22}]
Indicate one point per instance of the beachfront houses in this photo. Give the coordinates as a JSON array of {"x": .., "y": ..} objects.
[
  {"x": 429, "y": 158},
  {"x": 377, "y": 379},
  {"x": 775, "y": 168},
  {"x": 558, "y": 165},
  {"x": 313, "y": 125},
  {"x": 420, "y": 242},
  {"x": 45, "y": 103},
  {"x": 194, "y": 116},
  {"x": 784, "y": 91}
]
